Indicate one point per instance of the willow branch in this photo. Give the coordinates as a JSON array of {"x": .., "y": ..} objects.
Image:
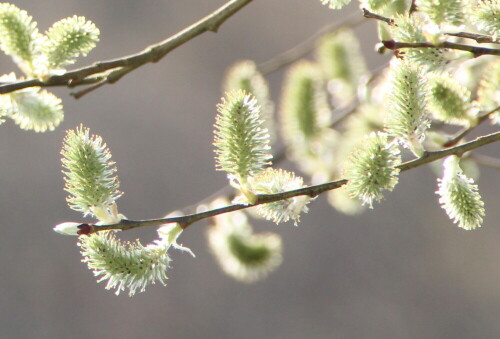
[
  {"x": 479, "y": 38},
  {"x": 475, "y": 50},
  {"x": 456, "y": 150},
  {"x": 466, "y": 130},
  {"x": 311, "y": 191},
  {"x": 306, "y": 46},
  {"x": 486, "y": 160},
  {"x": 119, "y": 67},
  {"x": 370, "y": 15}
]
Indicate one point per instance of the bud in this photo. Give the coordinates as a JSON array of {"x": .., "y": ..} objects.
[{"x": 73, "y": 228}]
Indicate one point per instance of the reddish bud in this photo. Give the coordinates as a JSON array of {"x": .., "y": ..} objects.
[
  {"x": 390, "y": 44},
  {"x": 85, "y": 229}
]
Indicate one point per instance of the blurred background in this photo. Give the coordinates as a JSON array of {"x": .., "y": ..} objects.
[{"x": 402, "y": 270}]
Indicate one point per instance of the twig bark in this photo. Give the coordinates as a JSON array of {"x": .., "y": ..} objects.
[
  {"x": 466, "y": 130},
  {"x": 306, "y": 46},
  {"x": 117, "y": 68},
  {"x": 370, "y": 15},
  {"x": 311, "y": 191},
  {"x": 479, "y": 38},
  {"x": 475, "y": 50}
]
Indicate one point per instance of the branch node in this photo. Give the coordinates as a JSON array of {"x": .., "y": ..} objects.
[{"x": 389, "y": 44}]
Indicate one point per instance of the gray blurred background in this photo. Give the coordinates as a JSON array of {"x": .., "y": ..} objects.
[{"x": 402, "y": 270}]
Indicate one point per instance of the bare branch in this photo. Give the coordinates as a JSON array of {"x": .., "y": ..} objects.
[
  {"x": 477, "y": 51},
  {"x": 306, "y": 46},
  {"x": 121, "y": 66},
  {"x": 311, "y": 191},
  {"x": 369, "y": 15},
  {"x": 466, "y": 130},
  {"x": 479, "y": 38}
]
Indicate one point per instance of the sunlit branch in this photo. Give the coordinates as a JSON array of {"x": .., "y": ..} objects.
[
  {"x": 466, "y": 130},
  {"x": 311, "y": 191},
  {"x": 479, "y": 38},
  {"x": 477, "y": 51},
  {"x": 119, "y": 67}
]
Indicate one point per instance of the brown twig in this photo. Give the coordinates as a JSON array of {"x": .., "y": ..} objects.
[
  {"x": 306, "y": 46},
  {"x": 311, "y": 191},
  {"x": 479, "y": 38},
  {"x": 466, "y": 130},
  {"x": 370, "y": 15},
  {"x": 117, "y": 68},
  {"x": 476, "y": 51}
]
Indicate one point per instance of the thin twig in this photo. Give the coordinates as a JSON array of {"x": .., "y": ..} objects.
[
  {"x": 413, "y": 7},
  {"x": 126, "y": 64},
  {"x": 477, "y": 51},
  {"x": 306, "y": 46},
  {"x": 479, "y": 38},
  {"x": 311, "y": 191},
  {"x": 486, "y": 160},
  {"x": 370, "y": 15},
  {"x": 466, "y": 130}
]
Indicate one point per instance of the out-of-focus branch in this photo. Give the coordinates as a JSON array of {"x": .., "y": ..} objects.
[
  {"x": 466, "y": 130},
  {"x": 306, "y": 46},
  {"x": 479, "y": 38},
  {"x": 370, "y": 15},
  {"x": 486, "y": 160}
]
